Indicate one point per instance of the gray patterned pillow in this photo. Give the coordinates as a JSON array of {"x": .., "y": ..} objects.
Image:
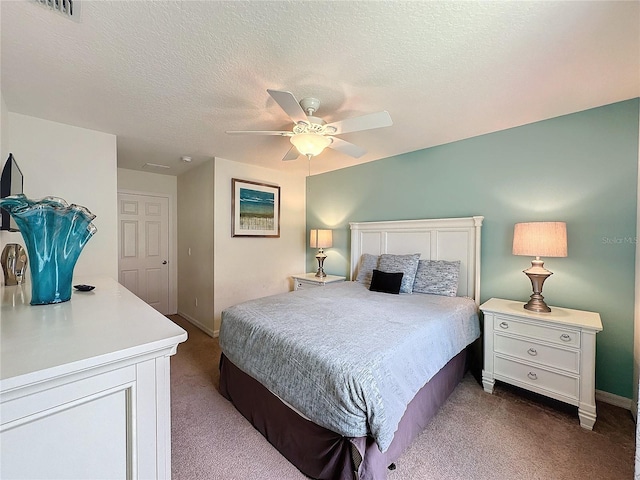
[
  {"x": 407, "y": 264},
  {"x": 365, "y": 271},
  {"x": 437, "y": 277}
]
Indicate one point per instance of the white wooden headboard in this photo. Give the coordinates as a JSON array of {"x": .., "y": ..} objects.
[{"x": 435, "y": 239}]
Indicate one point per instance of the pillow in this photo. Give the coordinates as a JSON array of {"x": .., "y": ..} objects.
[
  {"x": 386, "y": 282},
  {"x": 437, "y": 277},
  {"x": 367, "y": 263},
  {"x": 407, "y": 264}
]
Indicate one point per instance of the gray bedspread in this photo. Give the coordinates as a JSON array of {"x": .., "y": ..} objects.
[{"x": 348, "y": 359}]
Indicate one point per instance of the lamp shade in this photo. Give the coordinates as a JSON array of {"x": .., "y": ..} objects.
[
  {"x": 540, "y": 239},
  {"x": 310, "y": 144},
  {"x": 321, "y": 238}
]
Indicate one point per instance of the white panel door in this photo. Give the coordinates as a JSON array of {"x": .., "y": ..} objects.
[{"x": 143, "y": 250}]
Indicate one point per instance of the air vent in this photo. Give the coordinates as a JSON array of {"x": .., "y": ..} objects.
[
  {"x": 68, "y": 8},
  {"x": 154, "y": 165}
]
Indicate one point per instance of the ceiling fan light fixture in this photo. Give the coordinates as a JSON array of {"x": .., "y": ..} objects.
[
  {"x": 310, "y": 135},
  {"x": 310, "y": 144}
]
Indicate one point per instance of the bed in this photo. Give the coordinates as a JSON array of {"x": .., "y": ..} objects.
[{"x": 341, "y": 379}]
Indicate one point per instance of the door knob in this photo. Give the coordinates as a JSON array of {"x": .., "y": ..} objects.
[{"x": 164, "y": 262}]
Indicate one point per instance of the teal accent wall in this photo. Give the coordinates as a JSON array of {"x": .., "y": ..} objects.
[{"x": 580, "y": 168}]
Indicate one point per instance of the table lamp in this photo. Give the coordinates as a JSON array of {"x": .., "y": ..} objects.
[
  {"x": 321, "y": 239},
  {"x": 539, "y": 239}
]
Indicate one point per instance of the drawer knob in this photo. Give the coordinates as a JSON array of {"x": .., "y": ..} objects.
[
  {"x": 532, "y": 376},
  {"x": 532, "y": 351},
  {"x": 504, "y": 325},
  {"x": 565, "y": 338}
]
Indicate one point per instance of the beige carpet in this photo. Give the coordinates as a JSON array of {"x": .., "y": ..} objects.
[{"x": 508, "y": 435}]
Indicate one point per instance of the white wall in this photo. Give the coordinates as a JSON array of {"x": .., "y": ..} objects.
[
  {"x": 4, "y": 152},
  {"x": 75, "y": 164},
  {"x": 195, "y": 233},
  {"x": 4, "y": 122},
  {"x": 222, "y": 271},
  {"x": 251, "y": 267},
  {"x": 5, "y": 237},
  {"x": 132, "y": 181}
]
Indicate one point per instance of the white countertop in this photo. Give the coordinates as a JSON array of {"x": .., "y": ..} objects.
[{"x": 105, "y": 325}]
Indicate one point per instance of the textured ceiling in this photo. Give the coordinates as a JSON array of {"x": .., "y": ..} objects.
[{"x": 169, "y": 78}]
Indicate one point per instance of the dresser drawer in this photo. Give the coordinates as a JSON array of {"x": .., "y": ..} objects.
[
  {"x": 552, "y": 334},
  {"x": 537, "y": 378},
  {"x": 563, "y": 359}
]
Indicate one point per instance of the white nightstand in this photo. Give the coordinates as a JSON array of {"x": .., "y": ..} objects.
[
  {"x": 307, "y": 280},
  {"x": 553, "y": 354}
]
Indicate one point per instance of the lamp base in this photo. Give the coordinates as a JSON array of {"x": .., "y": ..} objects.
[
  {"x": 537, "y": 304},
  {"x": 320, "y": 257},
  {"x": 537, "y": 274}
]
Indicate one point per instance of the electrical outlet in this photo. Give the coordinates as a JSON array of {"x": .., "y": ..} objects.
[{"x": 189, "y": 251}]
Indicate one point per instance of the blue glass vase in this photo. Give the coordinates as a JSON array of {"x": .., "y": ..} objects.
[{"x": 55, "y": 234}]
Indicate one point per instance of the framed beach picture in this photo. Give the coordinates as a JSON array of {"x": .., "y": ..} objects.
[{"x": 255, "y": 209}]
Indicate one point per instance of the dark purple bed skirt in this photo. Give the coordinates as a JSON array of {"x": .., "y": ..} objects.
[{"x": 321, "y": 453}]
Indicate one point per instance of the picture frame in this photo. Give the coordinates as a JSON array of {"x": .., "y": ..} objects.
[{"x": 255, "y": 209}]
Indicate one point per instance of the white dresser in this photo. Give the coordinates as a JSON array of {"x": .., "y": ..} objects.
[
  {"x": 309, "y": 280},
  {"x": 552, "y": 354},
  {"x": 84, "y": 386}
]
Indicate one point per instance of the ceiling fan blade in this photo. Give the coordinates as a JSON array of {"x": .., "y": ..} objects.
[
  {"x": 346, "y": 147},
  {"x": 282, "y": 133},
  {"x": 289, "y": 104},
  {"x": 364, "y": 122},
  {"x": 292, "y": 154}
]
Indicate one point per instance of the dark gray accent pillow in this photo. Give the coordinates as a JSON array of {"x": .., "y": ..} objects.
[
  {"x": 437, "y": 277},
  {"x": 365, "y": 270},
  {"x": 385, "y": 282},
  {"x": 407, "y": 264}
]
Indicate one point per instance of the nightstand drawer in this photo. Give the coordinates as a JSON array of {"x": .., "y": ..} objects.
[
  {"x": 537, "y": 378},
  {"x": 546, "y": 332},
  {"x": 305, "y": 281},
  {"x": 563, "y": 359},
  {"x": 553, "y": 354},
  {"x": 300, "y": 285}
]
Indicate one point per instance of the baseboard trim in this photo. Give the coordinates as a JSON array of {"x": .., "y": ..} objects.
[
  {"x": 205, "y": 329},
  {"x": 614, "y": 399}
]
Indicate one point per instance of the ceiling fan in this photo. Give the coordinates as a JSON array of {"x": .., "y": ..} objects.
[{"x": 311, "y": 135}]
